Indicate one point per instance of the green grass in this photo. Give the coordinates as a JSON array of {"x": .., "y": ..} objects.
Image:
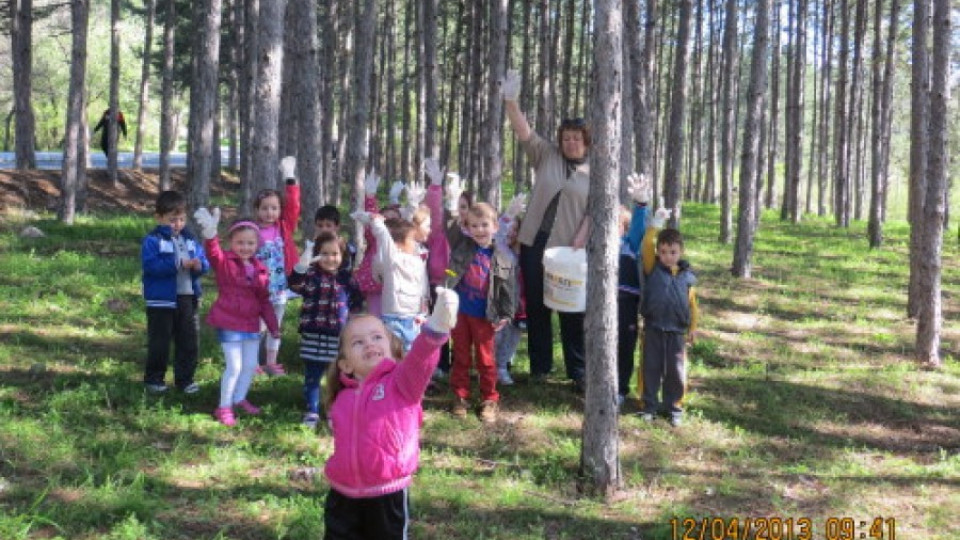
[{"x": 804, "y": 402}]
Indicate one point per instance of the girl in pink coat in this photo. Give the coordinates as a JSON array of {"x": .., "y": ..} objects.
[
  {"x": 375, "y": 407},
  {"x": 242, "y": 301}
]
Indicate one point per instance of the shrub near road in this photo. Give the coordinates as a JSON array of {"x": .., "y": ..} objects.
[{"x": 803, "y": 404}]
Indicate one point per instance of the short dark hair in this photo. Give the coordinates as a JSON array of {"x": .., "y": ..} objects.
[
  {"x": 325, "y": 238},
  {"x": 574, "y": 124},
  {"x": 170, "y": 201},
  {"x": 327, "y": 212},
  {"x": 670, "y": 237},
  {"x": 399, "y": 229}
]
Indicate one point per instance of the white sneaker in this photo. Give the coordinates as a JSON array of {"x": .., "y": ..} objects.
[{"x": 503, "y": 377}]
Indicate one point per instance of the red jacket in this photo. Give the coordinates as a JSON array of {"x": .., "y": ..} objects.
[
  {"x": 242, "y": 301},
  {"x": 288, "y": 224}
]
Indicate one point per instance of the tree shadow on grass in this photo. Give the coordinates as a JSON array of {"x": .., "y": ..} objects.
[{"x": 831, "y": 418}]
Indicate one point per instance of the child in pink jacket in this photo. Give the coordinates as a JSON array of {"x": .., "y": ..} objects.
[
  {"x": 242, "y": 301},
  {"x": 375, "y": 407}
]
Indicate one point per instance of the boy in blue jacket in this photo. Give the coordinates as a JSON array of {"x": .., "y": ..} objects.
[{"x": 173, "y": 261}]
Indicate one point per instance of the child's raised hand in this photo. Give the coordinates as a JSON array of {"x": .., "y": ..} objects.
[
  {"x": 288, "y": 167},
  {"x": 510, "y": 85},
  {"x": 363, "y": 217},
  {"x": 395, "y": 190},
  {"x": 444, "y": 316},
  {"x": 371, "y": 183},
  {"x": 517, "y": 205},
  {"x": 454, "y": 190},
  {"x": 415, "y": 194},
  {"x": 431, "y": 167},
  {"x": 207, "y": 221},
  {"x": 676, "y": 211},
  {"x": 638, "y": 186},
  {"x": 306, "y": 258}
]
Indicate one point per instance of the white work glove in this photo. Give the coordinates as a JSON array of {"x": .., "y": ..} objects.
[
  {"x": 676, "y": 211},
  {"x": 638, "y": 186},
  {"x": 306, "y": 259},
  {"x": 362, "y": 217},
  {"x": 431, "y": 167},
  {"x": 510, "y": 85},
  {"x": 288, "y": 167},
  {"x": 660, "y": 216},
  {"x": 415, "y": 194},
  {"x": 444, "y": 316},
  {"x": 395, "y": 190},
  {"x": 207, "y": 221},
  {"x": 517, "y": 206},
  {"x": 454, "y": 190},
  {"x": 371, "y": 183}
]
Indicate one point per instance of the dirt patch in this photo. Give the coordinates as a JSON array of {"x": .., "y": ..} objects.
[{"x": 39, "y": 190}]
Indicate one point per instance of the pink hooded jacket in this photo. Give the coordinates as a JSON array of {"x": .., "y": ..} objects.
[
  {"x": 241, "y": 302},
  {"x": 376, "y": 423}
]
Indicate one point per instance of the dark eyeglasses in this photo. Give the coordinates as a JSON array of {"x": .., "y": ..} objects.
[{"x": 573, "y": 123}]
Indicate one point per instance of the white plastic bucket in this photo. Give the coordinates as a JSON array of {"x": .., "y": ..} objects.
[{"x": 565, "y": 279}]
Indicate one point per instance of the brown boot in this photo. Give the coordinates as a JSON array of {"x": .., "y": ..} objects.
[
  {"x": 459, "y": 408},
  {"x": 488, "y": 411}
]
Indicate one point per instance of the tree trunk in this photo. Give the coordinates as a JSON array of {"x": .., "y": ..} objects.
[
  {"x": 490, "y": 182},
  {"x": 773, "y": 151},
  {"x": 709, "y": 193},
  {"x": 747, "y": 221},
  {"x": 599, "y": 458},
  {"x": 727, "y": 127},
  {"x": 390, "y": 167},
  {"x": 305, "y": 94},
  {"x": 113, "y": 125},
  {"x": 856, "y": 106},
  {"x": 826, "y": 61},
  {"x": 21, "y": 52},
  {"x": 874, "y": 226},
  {"x": 672, "y": 182},
  {"x": 793, "y": 135},
  {"x": 328, "y": 73},
  {"x": 919, "y": 121},
  {"x": 264, "y": 145},
  {"x": 886, "y": 107},
  {"x": 929, "y": 318},
  {"x": 545, "y": 107},
  {"x": 168, "y": 136},
  {"x": 203, "y": 103},
  {"x": 431, "y": 103},
  {"x": 247, "y": 110},
  {"x": 566, "y": 69},
  {"x": 841, "y": 201},
  {"x": 73, "y": 139},
  {"x": 234, "y": 13},
  {"x": 355, "y": 166},
  {"x": 144, "y": 85},
  {"x": 288, "y": 115},
  {"x": 643, "y": 108}
]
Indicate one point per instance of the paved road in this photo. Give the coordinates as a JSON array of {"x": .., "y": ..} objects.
[{"x": 151, "y": 160}]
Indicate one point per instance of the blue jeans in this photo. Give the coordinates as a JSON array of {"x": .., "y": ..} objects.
[{"x": 312, "y": 375}]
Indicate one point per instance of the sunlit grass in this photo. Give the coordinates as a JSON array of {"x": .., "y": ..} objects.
[{"x": 803, "y": 401}]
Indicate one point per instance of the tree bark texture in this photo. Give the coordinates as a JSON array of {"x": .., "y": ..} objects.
[
  {"x": 672, "y": 182},
  {"x": 144, "y": 84},
  {"x": 355, "y": 166},
  {"x": 73, "y": 168},
  {"x": 490, "y": 183},
  {"x": 264, "y": 144},
  {"x": 113, "y": 124},
  {"x": 930, "y": 316},
  {"x": 599, "y": 458},
  {"x": 919, "y": 122},
  {"x": 727, "y": 124},
  {"x": 841, "y": 189},
  {"x": 305, "y": 98},
  {"x": 203, "y": 104},
  {"x": 751, "y": 145},
  {"x": 168, "y": 136},
  {"x": 21, "y": 37}
]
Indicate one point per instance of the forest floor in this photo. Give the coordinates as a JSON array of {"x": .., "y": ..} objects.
[
  {"x": 135, "y": 191},
  {"x": 806, "y": 414}
]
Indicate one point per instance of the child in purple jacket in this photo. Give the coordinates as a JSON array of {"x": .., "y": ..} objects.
[{"x": 375, "y": 408}]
